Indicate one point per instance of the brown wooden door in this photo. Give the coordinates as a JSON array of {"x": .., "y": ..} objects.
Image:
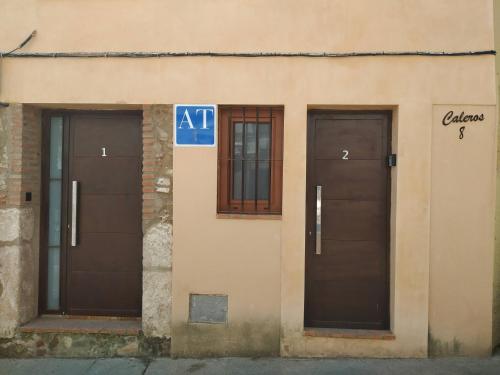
[
  {"x": 347, "y": 281},
  {"x": 104, "y": 269}
]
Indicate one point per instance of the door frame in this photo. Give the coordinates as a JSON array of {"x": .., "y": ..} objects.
[
  {"x": 44, "y": 203},
  {"x": 310, "y": 213}
]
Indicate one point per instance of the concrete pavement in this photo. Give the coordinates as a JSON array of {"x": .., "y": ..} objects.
[{"x": 237, "y": 366}]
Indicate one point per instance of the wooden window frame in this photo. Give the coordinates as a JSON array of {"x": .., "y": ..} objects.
[{"x": 228, "y": 116}]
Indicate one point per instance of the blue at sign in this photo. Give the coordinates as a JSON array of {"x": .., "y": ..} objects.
[{"x": 195, "y": 125}]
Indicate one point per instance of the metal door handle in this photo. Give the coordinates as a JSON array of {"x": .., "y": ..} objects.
[
  {"x": 318, "y": 220},
  {"x": 74, "y": 211}
]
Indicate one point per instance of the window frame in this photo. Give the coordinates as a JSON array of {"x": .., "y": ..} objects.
[{"x": 228, "y": 116}]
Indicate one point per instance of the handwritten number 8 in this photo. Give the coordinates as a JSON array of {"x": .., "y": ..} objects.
[{"x": 462, "y": 129}]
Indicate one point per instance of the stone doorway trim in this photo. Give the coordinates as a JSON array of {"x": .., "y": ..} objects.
[{"x": 20, "y": 155}]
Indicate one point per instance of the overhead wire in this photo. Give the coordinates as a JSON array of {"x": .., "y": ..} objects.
[
  {"x": 142, "y": 54},
  {"x": 139, "y": 54},
  {"x": 4, "y": 54}
]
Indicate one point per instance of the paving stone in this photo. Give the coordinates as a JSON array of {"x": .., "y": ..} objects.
[
  {"x": 277, "y": 366},
  {"x": 117, "y": 366},
  {"x": 45, "y": 366},
  {"x": 248, "y": 366}
]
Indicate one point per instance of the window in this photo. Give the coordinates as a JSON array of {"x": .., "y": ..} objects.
[{"x": 250, "y": 160}]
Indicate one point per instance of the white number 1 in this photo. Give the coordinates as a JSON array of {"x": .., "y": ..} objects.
[
  {"x": 103, "y": 152},
  {"x": 346, "y": 155}
]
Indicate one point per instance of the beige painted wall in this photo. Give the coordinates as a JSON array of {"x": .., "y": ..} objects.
[
  {"x": 462, "y": 232},
  {"x": 220, "y": 25},
  {"x": 496, "y": 286},
  {"x": 239, "y": 258},
  {"x": 260, "y": 264}
]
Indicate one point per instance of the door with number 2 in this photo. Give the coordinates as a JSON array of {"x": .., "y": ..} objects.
[{"x": 347, "y": 224}]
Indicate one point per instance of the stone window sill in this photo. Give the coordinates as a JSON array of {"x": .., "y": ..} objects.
[{"x": 349, "y": 333}]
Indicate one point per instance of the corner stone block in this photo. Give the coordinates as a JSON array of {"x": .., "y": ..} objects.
[
  {"x": 10, "y": 264},
  {"x": 157, "y": 247},
  {"x": 27, "y": 224},
  {"x": 10, "y": 224},
  {"x": 156, "y": 303},
  {"x": 16, "y": 223}
]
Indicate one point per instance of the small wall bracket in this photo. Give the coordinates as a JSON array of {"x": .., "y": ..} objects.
[{"x": 391, "y": 160}]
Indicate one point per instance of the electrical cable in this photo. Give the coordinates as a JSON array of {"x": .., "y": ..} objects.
[
  {"x": 33, "y": 33},
  {"x": 118, "y": 54}
]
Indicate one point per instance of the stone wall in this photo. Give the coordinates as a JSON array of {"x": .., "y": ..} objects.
[
  {"x": 157, "y": 220},
  {"x": 20, "y": 141},
  {"x": 11, "y": 118},
  {"x": 97, "y": 345},
  {"x": 20, "y": 150}
]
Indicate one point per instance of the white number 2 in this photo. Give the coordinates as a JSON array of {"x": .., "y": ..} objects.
[
  {"x": 346, "y": 155},
  {"x": 103, "y": 152}
]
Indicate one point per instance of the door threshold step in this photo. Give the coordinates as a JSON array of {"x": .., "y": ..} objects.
[
  {"x": 83, "y": 324},
  {"x": 349, "y": 333},
  {"x": 83, "y": 337}
]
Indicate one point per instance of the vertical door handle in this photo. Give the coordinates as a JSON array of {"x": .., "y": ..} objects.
[
  {"x": 74, "y": 212},
  {"x": 318, "y": 220}
]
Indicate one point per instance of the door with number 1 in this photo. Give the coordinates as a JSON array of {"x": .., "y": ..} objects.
[
  {"x": 347, "y": 225},
  {"x": 93, "y": 209}
]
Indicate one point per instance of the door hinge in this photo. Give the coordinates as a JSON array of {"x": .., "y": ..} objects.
[{"x": 391, "y": 160}]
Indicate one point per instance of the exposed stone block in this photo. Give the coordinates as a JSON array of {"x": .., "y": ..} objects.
[
  {"x": 10, "y": 263},
  {"x": 16, "y": 224},
  {"x": 20, "y": 138},
  {"x": 157, "y": 220},
  {"x": 10, "y": 224},
  {"x": 157, "y": 249},
  {"x": 28, "y": 286},
  {"x": 27, "y": 224},
  {"x": 157, "y": 301},
  {"x": 25, "y": 345}
]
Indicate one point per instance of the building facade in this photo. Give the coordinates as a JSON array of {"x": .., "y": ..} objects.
[{"x": 295, "y": 178}]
